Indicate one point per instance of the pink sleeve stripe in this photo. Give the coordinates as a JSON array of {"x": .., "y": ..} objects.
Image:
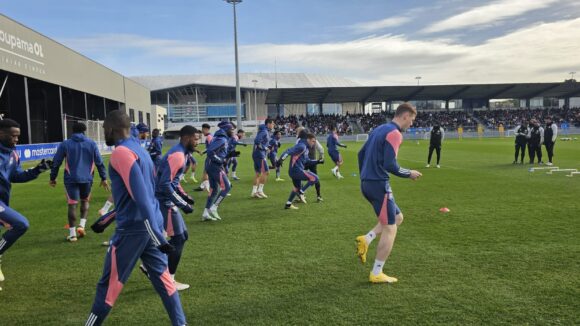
[
  {"x": 122, "y": 160},
  {"x": 395, "y": 139},
  {"x": 176, "y": 161}
]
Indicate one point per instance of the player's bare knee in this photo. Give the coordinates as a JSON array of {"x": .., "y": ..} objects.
[{"x": 399, "y": 218}]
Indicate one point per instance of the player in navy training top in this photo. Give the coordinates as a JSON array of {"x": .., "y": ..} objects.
[
  {"x": 80, "y": 155},
  {"x": 11, "y": 172},
  {"x": 139, "y": 231},
  {"x": 332, "y": 144},
  {"x": 273, "y": 148},
  {"x": 376, "y": 159},
  {"x": 155, "y": 147},
  {"x": 232, "y": 162},
  {"x": 296, "y": 169},
  {"x": 259, "y": 156}
]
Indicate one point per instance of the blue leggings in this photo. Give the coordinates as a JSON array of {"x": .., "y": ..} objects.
[
  {"x": 15, "y": 223},
  {"x": 220, "y": 186}
]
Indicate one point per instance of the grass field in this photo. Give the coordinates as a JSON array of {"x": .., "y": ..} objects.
[{"x": 507, "y": 253}]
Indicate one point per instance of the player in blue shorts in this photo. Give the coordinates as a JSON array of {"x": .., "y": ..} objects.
[
  {"x": 217, "y": 155},
  {"x": 376, "y": 159},
  {"x": 11, "y": 172},
  {"x": 259, "y": 156},
  {"x": 172, "y": 197},
  {"x": 80, "y": 155},
  {"x": 273, "y": 148},
  {"x": 139, "y": 231},
  {"x": 332, "y": 144},
  {"x": 296, "y": 170}
]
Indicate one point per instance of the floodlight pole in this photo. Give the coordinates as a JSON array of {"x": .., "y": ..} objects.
[
  {"x": 255, "y": 100},
  {"x": 572, "y": 73},
  {"x": 238, "y": 92},
  {"x": 418, "y": 79}
]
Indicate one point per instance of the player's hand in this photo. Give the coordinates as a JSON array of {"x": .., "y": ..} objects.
[
  {"x": 52, "y": 183},
  {"x": 320, "y": 161},
  {"x": 166, "y": 248},
  {"x": 105, "y": 185},
  {"x": 236, "y": 154},
  {"x": 44, "y": 165},
  {"x": 188, "y": 199},
  {"x": 188, "y": 209},
  {"x": 415, "y": 175},
  {"x": 279, "y": 163}
]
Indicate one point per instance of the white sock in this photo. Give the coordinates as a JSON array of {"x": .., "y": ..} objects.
[
  {"x": 234, "y": 173},
  {"x": 205, "y": 211},
  {"x": 72, "y": 231},
  {"x": 378, "y": 267},
  {"x": 107, "y": 206},
  {"x": 83, "y": 223},
  {"x": 254, "y": 189},
  {"x": 260, "y": 188},
  {"x": 370, "y": 236},
  {"x": 213, "y": 208},
  {"x": 173, "y": 277}
]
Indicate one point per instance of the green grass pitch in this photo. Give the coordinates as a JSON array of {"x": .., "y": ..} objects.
[{"x": 507, "y": 253}]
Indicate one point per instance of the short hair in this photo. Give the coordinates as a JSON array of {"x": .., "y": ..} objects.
[
  {"x": 268, "y": 121},
  {"x": 277, "y": 132},
  {"x": 205, "y": 126},
  {"x": 8, "y": 123},
  {"x": 118, "y": 119},
  {"x": 79, "y": 127},
  {"x": 310, "y": 136},
  {"x": 405, "y": 108},
  {"x": 241, "y": 131},
  {"x": 303, "y": 134},
  {"x": 187, "y": 131}
]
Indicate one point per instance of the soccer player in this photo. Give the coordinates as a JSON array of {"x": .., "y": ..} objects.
[
  {"x": 312, "y": 151},
  {"x": 436, "y": 138},
  {"x": 11, "y": 172},
  {"x": 521, "y": 142},
  {"x": 172, "y": 197},
  {"x": 299, "y": 158},
  {"x": 205, "y": 130},
  {"x": 155, "y": 147},
  {"x": 332, "y": 144},
  {"x": 220, "y": 185},
  {"x": 81, "y": 155},
  {"x": 536, "y": 139},
  {"x": 376, "y": 159},
  {"x": 138, "y": 234},
  {"x": 233, "y": 161},
  {"x": 550, "y": 136},
  {"x": 143, "y": 135},
  {"x": 259, "y": 156},
  {"x": 273, "y": 147}
]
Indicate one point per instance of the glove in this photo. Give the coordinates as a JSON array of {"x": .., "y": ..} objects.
[
  {"x": 166, "y": 248},
  {"x": 44, "y": 165},
  {"x": 244, "y": 145},
  {"x": 236, "y": 154},
  {"x": 320, "y": 161},
  {"x": 279, "y": 162},
  {"x": 187, "y": 209},
  {"x": 188, "y": 199}
]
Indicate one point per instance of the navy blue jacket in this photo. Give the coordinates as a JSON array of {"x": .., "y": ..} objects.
[
  {"x": 80, "y": 155},
  {"x": 11, "y": 172}
]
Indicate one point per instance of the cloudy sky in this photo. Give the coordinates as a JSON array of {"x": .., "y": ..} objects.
[{"x": 373, "y": 42}]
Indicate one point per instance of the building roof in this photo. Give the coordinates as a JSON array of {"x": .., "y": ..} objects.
[
  {"x": 569, "y": 88},
  {"x": 264, "y": 80}
]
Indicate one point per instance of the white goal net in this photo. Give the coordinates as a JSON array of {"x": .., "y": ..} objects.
[{"x": 362, "y": 137}]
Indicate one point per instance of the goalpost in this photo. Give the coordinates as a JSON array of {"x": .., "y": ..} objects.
[
  {"x": 94, "y": 131},
  {"x": 362, "y": 137}
]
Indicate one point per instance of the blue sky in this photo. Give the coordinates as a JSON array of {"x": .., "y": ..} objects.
[{"x": 369, "y": 41}]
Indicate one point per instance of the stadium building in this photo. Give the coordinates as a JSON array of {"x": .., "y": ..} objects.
[{"x": 43, "y": 84}]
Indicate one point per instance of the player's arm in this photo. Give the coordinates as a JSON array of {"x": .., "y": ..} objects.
[
  {"x": 212, "y": 151},
  {"x": 541, "y": 135},
  {"x": 555, "y": 129},
  {"x": 124, "y": 161},
  {"x": 361, "y": 157},
  {"x": 442, "y": 134},
  {"x": 339, "y": 143},
  {"x": 19, "y": 176},
  {"x": 168, "y": 180},
  {"x": 392, "y": 143},
  {"x": 57, "y": 161},
  {"x": 104, "y": 221},
  {"x": 320, "y": 150},
  {"x": 98, "y": 159}
]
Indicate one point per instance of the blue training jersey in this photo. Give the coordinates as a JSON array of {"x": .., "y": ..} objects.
[
  {"x": 378, "y": 157},
  {"x": 332, "y": 143},
  {"x": 133, "y": 187},
  {"x": 11, "y": 172},
  {"x": 80, "y": 155},
  {"x": 274, "y": 145},
  {"x": 155, "y": 147},
  {"x": 217, "y": 149},
  {"x": 298, "y": 156},
  {"x": 172, "y": 166},
  {"x": 261, "y": 142}
]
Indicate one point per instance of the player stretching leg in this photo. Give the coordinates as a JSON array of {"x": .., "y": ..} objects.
[
  {"x": 376, "y": 160},
  {"x": 11, "y": 172},
  {"x": 139, "y": 225},
  {"x": 273, "y": 147},
  {"x": 332, "y": 144},
  {"x": 81, "y": 155},
  {"x": 172, "y": 197},
  {"x": 219, "y": 183},
  {"x": 259, "y": 155},
  {"x": 299, "y": 158}
]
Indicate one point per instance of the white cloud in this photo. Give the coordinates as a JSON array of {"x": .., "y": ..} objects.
[
  {"x": 378, "y": 25},
  {"x": 488, "y": 14},
  {"x": 541, "y": 53}
]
